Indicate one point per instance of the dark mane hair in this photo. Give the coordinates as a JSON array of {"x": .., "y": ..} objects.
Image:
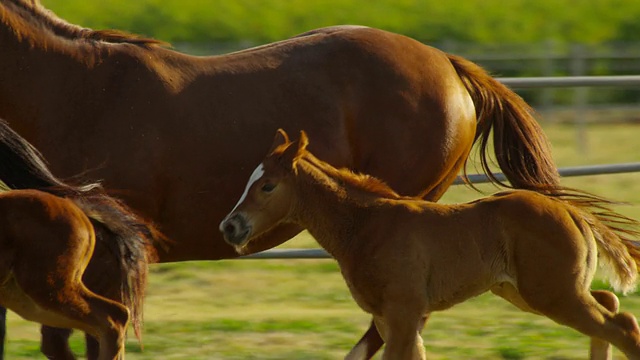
[
  {"x": 352, "y": 180},
  {"x": 37, "y": 15}
]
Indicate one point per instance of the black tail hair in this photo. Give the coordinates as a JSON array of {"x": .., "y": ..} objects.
[{"x": 23, "y": 167}]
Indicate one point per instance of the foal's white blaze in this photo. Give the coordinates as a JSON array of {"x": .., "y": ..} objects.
[{"x": 255, "y": 176}]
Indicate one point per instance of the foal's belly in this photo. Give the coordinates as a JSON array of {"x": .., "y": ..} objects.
[
  {"x": 365, "y": 301},
  {"x": 447, "y": 295}
]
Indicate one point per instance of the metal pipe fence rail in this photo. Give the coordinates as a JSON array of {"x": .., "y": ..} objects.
[
  {"x": 474, "y": 178},
  {"x": 571, "y": 81}
]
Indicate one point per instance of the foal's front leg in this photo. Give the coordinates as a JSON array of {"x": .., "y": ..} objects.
[
  {"x": 372, "y": 341},
  {"x": 402, "y": 337}
]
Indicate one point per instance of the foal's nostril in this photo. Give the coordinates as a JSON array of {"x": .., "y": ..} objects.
[
  {"x": 235, "y": 230},
  {"x": 229, "y": 228}
]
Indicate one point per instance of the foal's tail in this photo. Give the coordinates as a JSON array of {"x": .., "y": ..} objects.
[
  {"x": 128, "y": 237},
  {"x": 130, "y": 240},
  {"x": 521, "y": 147},
  {"x": 616, "y": 237}
]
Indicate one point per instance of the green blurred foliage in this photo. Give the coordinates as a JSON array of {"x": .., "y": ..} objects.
[{"x": 258, "y": 21}]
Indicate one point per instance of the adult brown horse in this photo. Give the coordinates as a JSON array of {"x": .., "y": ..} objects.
[
  {"x": 403, "y": 257},
  {"x": 178, "y": 134},
  {"x": 124, "y": 242}
]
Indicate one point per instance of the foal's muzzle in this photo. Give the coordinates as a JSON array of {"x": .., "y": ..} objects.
[{"x": 235, "y": 230}]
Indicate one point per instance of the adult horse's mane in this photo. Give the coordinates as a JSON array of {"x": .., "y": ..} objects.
[{"x": 38, "y": 16}]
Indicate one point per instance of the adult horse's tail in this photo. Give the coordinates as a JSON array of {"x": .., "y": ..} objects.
[
  {"x": 521, "y": 147},
  {"x": 127, "y": 238}
]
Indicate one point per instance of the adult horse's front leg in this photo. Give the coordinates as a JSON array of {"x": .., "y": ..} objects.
[{"x": 3, "y": 330}]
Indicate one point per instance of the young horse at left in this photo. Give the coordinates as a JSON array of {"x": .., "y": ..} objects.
[
  {"x": 124, "y": 244},
  {"x": 404, "y": 258},
  {"x": 45, "y": 245}
]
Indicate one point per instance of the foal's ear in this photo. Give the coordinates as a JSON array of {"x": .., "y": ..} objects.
[
  {"x": 302, "y": 142},
  {"x": 292, "y": 153},
  {"x": 281, "y": 139}
]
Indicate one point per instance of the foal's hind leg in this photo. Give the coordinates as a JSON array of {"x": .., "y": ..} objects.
[
  {"x": 107, "y": 320},
  {"x": 582, "y": 312},
  {"x": 75, "y": 306},
  {"x": 601, "y": 349}
]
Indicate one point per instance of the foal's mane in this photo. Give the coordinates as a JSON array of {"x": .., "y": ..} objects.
[
  {"x": 349, "y": 179},
  {"x": 38, "y": 16}
]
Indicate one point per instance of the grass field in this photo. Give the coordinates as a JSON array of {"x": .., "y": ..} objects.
[{"x": 300, "y": 309}]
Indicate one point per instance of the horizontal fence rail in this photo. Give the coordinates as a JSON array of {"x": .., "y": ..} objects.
[
  {"x": 564, "y": 172},
  {"x": 474, "y": 178},
  {"x": 289, "y": 254},
  {"x": 571, "y": 81}
]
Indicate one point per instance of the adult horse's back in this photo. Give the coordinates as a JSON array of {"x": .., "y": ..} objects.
[{"x": 178, "y": 134}]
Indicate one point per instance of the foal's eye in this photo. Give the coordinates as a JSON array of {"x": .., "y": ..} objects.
[{"x": 268, "y": 187}]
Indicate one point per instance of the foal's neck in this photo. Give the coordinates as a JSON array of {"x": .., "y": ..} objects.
[{"x": 324, "y": 207}]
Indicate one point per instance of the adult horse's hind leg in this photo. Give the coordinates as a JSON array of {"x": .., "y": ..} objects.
[
  {"x": 54, "y": 343},
  {"x": 600, "y": 349},
  {"x": 93, "y": 347}
]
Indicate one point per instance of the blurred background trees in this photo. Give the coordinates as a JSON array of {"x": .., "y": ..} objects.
[
  {"x": 508, "y": 37},
  {"x": 258, "y": 21}
]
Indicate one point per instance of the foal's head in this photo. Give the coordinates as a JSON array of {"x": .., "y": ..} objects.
[{"x": 268, "y": 196}]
